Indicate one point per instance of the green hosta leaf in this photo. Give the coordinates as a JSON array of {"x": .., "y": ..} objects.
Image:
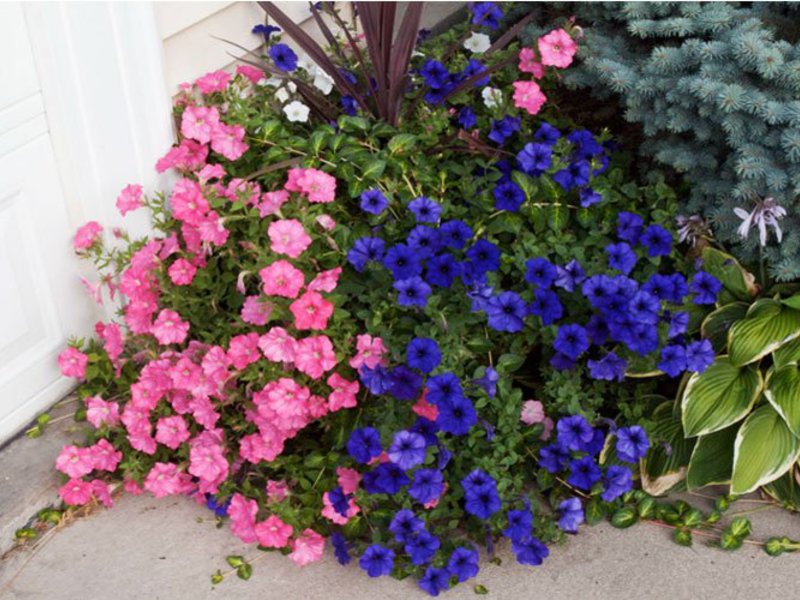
[
  {"x": 712, "y": 459},
  {"x": 735, "y": 279},
  {"x": 716, "y": 325},
  {"x": 768, "y": 326},
  {"x": 765, "y": 449},
  {"x": 664, "y": 467},
  {"x": 783, "y": 392},
  {"x": 793, "y": 301},
  {"x": 787, "y": 354},
  {"x": 720, "y": 396}
]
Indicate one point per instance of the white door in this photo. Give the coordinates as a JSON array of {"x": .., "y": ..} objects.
[{"x": 41, "y": 297}]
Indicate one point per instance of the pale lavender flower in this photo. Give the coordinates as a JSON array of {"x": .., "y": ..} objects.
[
  {"x": 691, "y": 229},
  {"x": 766, "y": 214}
]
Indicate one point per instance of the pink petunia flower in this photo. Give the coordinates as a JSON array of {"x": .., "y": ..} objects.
[
  {"x": 532, "y": 412},
  {"x": 311, "y": 311},
  {"x": 314, "y": 356},
  {"x": 307, "y": 548},
  {"x": 182, "y": 272},
  {"x": 326, "y": 222},
  {"x": 529, "y": 64},
  {"x": 253, "y": 74},
  {"x": 215, "y": 364},
  {"x": 271, "y": 202},
  {"x": 76, "y": 492},
  {"x": 243, "y": 350},
  {"x": 74, "y": 462},
  {"x": 343, "y": 392},
  {"x": 104, "y": 456},
  {"x": 242, "y": 513},
  {"x": 208, "y": 172},
  {"x": 256, "y": 311},
  {"x": 187, "y": 202},
  {"x": 273, "y": 533},
  {"x": 277, "y": 345},
  {"x": 281, "y": 279},
  {"x": 190, "y": 155},
  {"x": 557, "y": 49},
  {"x": 94, "y": 290},
  {"x": 99, "y": 412},
  {"x": 293, "y": 179},
  {"x": 164, "y": 479},
  {"x": 102, "y": 491},
  {"x": 332, "y": 514},
  {"x": 528, "y": 95},
  {"x": 168, "y": 328},
  {"x": 277, "y": 491},
  {"x": 212, "y": 230},
  {"x": 325, "y": 281},
  {"x": 172, "y": 431},
  {"x": 348, "y": 479},
  {"x": 288, "y": 237},
  {"x": 317, "y": 185},
  {"x": 370, "y": 351},
  {"x": 72, "y": 363},
  {"x": 215, "y": 81},
  {"x": 111, "y": 335},
  {"x": 207, "y": 462},
  {"x": 87, "y": 235},
  {"x": 425, "y": 409},
  {"x": 129, "y": 199},
  {"x": 228, "y": 140},
  {"x": 200, "y": 122}
]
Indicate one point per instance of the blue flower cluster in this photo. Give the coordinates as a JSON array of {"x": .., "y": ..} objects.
[
  {"x": 575, "y": 450},
  {"x": 587, "y": 158}
]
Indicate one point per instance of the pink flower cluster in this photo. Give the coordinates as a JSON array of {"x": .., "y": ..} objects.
[{"x": 556, "y": 49}]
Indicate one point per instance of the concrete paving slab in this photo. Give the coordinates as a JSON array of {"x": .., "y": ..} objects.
[{"x": 167, "y": 549}]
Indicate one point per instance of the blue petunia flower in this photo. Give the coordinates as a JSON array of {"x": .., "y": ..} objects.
[
  {"x": 442, "y": 270},
  {"x": 425, "y": 210},
  {"x": 584, "y": 473},
  {"x": 424, "y": 241},
  {"x": 678, "y": 324},
  {"x": 571, "y": 340},
  {"x": 443, "y": 388},
  {"x": 699, "y": 356},
  {"x": 349, "y": 105},
  {"x": 562, "y": 362},
  {"x": 389, "y": 479},
  {"x": 402, "y": 261},
  {"x": 428, "y": 485},
  {"x": 508, "y": 196},
  {"x": 412, "y": 291},
  {"x": 535, "y": 159},
  {"x": 364, "y": 444},
  {"x": 377, "y": 380},
  {"x": 540, "y": 272},
  {"x": 705, "y": 288},
  {"x": 484, "y": 255},
  {"x": 571, "y": 515},
  {"x": 373, "y": 201},
  {"x": 339, "y": 500},
  {"x": 569, "y": 276},
  {"x": 547, "y": 134},
  {"x": 456, "y": 415},
  {"x": 616, "y": 481},
  {"x": 657, "y": 240},
  {"x": 377, "y": 560},
  {"x": 422, "y": 547},
  {"x": 476, "y": 478},
  {"x": 546, "y": 305},
  {"x": 408, "y": 450},
  {"x": 629, "y": 227},
  {"x": 586, "y": 146},
  {"x": 673, "y": 360},
  {"x": 488, "y": 382},
  {"x": 530, "y": 551},
  {"x": 427, "y": 429},
  {"x": 520, "y": 524},
  {"x": 609, "y": 368},
  {"x": 589, "y": 197},
  {"x": 466, "y": 118},
  {"x": 265, "y": 30},
  {"x": 553, "y": 458},
  {"x": 482, "y": 501},
  {"x": 576, "y": 174},
  {"x": 405, "y": 383},
  {"x": 621, "y": 257},
  {"x": 283, "y": 57},
  {"x": 503, "y": 129},
  {"x": 365, "y": 250},
  {"x": 486, "y": 14},
  {"x": 455, "y": 234},
  {"x": 574, "y": 433},
  {"x": 341, "y": 548},
  {"x": 463, "y": 564},
  {"x": 434, "y": 581},
  {"x": 506, "y": 312},
  {"x": 423, "y": 354},
  {"x": 435, "y": 74},
  {"x": 632, "y": 443},
  {"x": 405, "y": 525},
  {"x": 644, "y": 307},
  {"x": 474, "y": 67}
]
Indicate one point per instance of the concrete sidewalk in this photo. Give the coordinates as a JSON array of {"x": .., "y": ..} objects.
[{"x": 167, "y": 549}]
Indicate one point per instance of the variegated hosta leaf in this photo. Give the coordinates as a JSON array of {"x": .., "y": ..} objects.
[
  {"x": 768, "y": 326},
  {"x": 786, "y": 354},
  {"x": 664, "y": 466},
  {"x": 716, "y": 325},
  {"x": 720, "y": 396},
  {"x": 765, "y": 449},
  {"x": 712, "y": 459},
  {"x": 783, "y": 392},
  {"x": 736, "y": 280}
]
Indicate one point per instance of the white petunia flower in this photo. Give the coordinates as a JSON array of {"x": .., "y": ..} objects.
[
  {"x": 766, "y": 214},
  {"x": 282, "y": 95},
  {"x": 296, "y": 111},
  {"x": 272, "y": 81},
  {"x": 305, "y": 63},
  {"x": 492, "y": 97},
  {"x": 477, "y": 43},
  {"x": 291, "y": 86},
  {"x": 322, "y": 81}
]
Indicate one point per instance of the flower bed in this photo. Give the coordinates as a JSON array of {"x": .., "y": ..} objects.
[{"x": 415, "y": 328}]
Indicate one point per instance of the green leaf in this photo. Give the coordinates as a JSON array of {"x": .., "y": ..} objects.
[
  {"x": 235, "y": 561},
  {"x": 353, "y": 124},
  {"x": 792, "y": 301},
  {"x": 683, "y": 537},
  {"x": 693, "y": 518},
  {"x": 783, "y": 392},
  {"x": 775, "y": 546},
  {"x": 735, "y": 278},
  {"x": 373, "y": 169},
  {"x": 765, "y": 449},
  {"x": 787, "y": 354},
  {"x": 481, "y": 590},
  {"x": 624, "y": 517},
  {"x": 402, "y": 142},
  {"x": 558, "y": 217},
  {"x": 664, "y": 467},
  {"x": 768, "y": 326},
  {"x": 716, "y": 325},
  {"x": 712, "y": 459},
  {"x": 646, "y": 507},
  {"x": 720, "y": 396},
  {"x": 785, "y": 490},
  {"x": 594, "y": 512},
  {"x": 740, "y": 527},
  {"x": 244, "y": 571},
  {"x": 217, "y": 578}
]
